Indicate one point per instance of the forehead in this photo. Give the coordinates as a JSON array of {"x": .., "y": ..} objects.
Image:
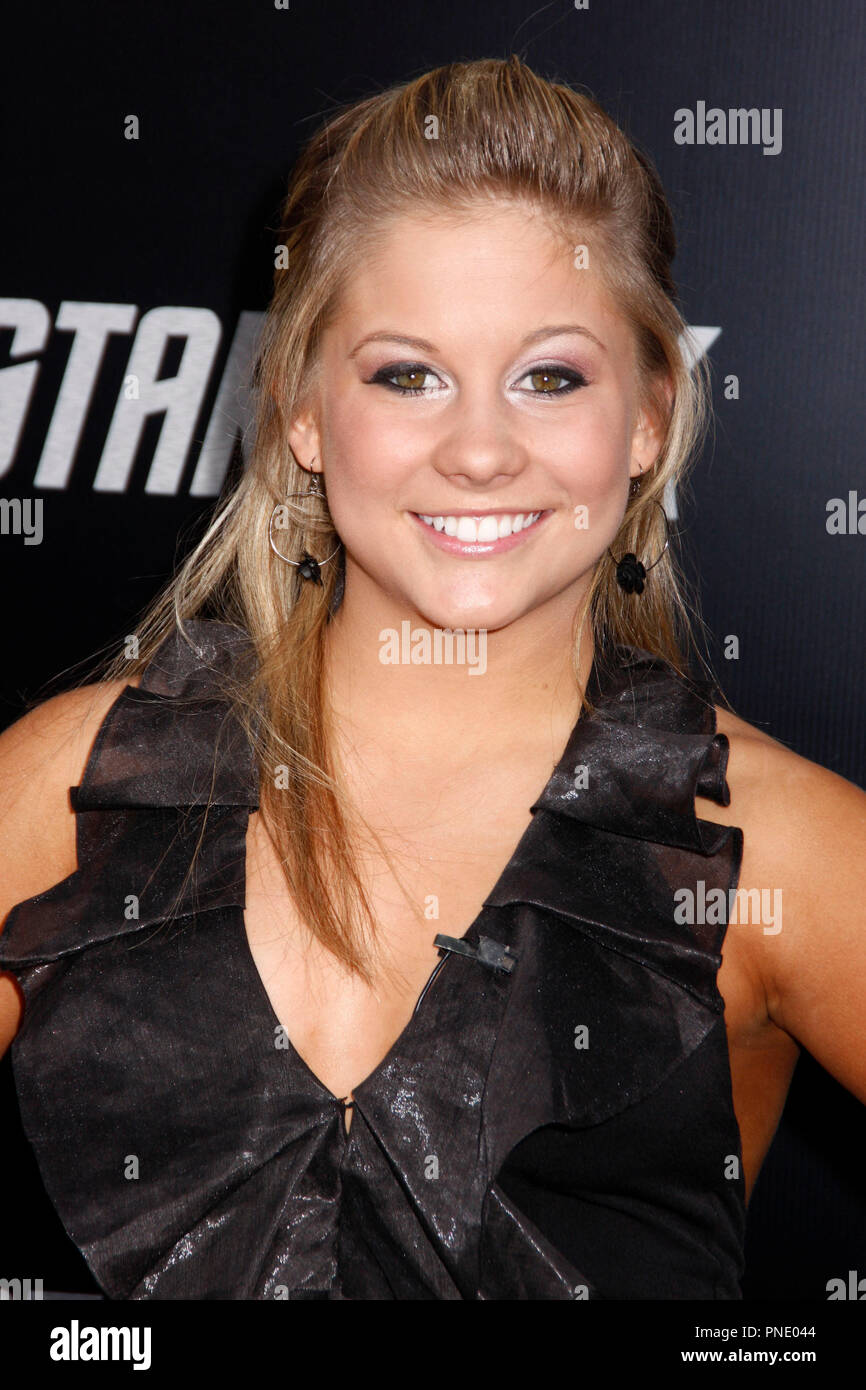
[{"x": 495, "y": 270}]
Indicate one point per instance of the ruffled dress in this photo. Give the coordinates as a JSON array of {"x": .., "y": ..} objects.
[{"x": 554, "y": 1122}]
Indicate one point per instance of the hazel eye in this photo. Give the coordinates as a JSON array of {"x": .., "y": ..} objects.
[
  {"x": 544, "y": 379},
  {"x": 407, "y": 378}
]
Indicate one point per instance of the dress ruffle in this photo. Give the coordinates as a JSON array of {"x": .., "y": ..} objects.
[{"x": 148, "y": 1032}]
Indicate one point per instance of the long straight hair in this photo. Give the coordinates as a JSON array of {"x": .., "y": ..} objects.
[{"x": 447, "y": 141}]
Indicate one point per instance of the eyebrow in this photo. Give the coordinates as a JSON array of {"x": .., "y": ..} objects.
[{"x": 549, "y": 331}]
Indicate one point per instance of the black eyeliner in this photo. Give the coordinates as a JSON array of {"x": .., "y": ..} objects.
[{"x": 380, "y": 378}]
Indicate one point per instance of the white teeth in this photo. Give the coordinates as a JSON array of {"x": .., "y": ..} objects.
[{"x": 486, "y": 528}]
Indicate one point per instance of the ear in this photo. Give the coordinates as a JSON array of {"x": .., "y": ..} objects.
[
  {"x": 650, "y": 428},
  {"x": 305, "y": 439}
]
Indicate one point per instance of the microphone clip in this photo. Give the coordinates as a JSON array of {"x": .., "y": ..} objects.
[{"x": 487, "y": 952}]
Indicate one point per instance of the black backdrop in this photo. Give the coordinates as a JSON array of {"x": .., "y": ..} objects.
[{"x": 126, "y": 256}]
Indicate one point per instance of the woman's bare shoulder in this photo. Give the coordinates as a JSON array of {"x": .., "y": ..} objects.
[
  {"x": 766, "y": 776},
  {"x": 42, "y": 755},
  {"x": 804, "y": 851},
  {"x": 782, "y": 801}
]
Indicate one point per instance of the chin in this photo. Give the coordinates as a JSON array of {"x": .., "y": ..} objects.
[{"x": 488, "y": 616}]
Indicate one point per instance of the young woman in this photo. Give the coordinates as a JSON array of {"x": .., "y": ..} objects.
[{"x": 388, "y": 942}]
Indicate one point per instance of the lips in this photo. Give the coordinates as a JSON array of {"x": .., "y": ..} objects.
[
  {"x": 479, "y": 534},
  {"x": 488, "y": 527}
]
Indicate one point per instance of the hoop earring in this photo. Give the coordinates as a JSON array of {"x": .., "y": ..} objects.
[
  {"x": 630, "y": 573},
  {"x": 308, "y": 567}
]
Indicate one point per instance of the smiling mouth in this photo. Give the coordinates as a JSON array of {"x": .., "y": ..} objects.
[{"x": 472, "y": 529}]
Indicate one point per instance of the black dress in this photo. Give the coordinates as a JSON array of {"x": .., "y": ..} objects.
[{"x": 554, "y": 1122}]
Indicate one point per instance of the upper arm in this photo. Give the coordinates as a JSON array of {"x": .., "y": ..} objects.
[
  {"x": 42, "y": 755},
  {"x": 816, "y": 966},
  {"x": 804, "y": 830}
]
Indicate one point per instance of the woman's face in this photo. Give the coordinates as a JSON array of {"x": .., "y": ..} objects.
[{"x": 518, "y": 402}]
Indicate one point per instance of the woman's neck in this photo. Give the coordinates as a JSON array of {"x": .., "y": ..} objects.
[{"x": 399, "y": 683}]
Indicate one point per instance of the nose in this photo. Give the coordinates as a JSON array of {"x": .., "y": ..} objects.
[{"x": 481, "y": 449}]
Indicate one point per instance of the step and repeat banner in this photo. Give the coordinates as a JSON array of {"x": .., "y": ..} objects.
[{"x": 145, "y": 153}]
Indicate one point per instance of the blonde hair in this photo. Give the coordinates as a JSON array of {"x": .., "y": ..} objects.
[{"x": 501, "y": 131}]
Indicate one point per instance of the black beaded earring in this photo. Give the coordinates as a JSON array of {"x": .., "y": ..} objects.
[
  {"x": 308, "y": 567},
  {"x": 630, "y": 573}
]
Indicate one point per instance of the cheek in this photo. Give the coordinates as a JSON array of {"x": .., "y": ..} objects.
[
  {"x": 356, "y": 464},
  {"x": 373, "y": 455},
  {"x": 352, "y": 451},
  {"x": 593, "y": 466},
  {"x": 594, "y": 476}
]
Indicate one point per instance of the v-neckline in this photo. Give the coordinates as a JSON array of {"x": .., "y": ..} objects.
[{"x": 471, "y": 935}]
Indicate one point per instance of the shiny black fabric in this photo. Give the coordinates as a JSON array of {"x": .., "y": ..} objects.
[{"x": 490, "y": 1155}]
